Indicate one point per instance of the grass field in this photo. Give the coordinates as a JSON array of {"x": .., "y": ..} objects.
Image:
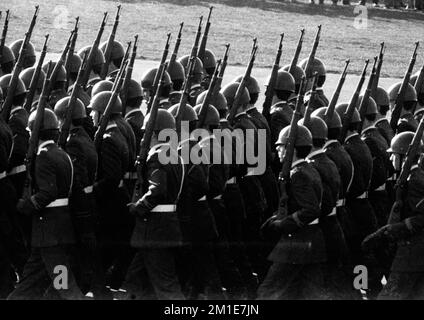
[{"x": 236, "y": 22}]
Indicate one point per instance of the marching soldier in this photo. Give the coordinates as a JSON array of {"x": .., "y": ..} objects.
[
  {"x": 29, "y": 55},
  {"x": 58, "y": 87},
  {"x": 177, "y": 74},
  {"x": 117, "y": 55},
  {"x": 74, "y": 66},
  {"x": 133, "y": 114},
  {"x": 406, "y": 121},
  {"x": 147, "y": 84},
  {"x": 209, "y": 64},
  {"x": 297, "y": 74},
  {"x": 7, "y": 61},
  {"x": 196, "y": 80},
  {"x": 97, "y": 65},
  {"x": 383, "y": 106},
  {"x": 317, "y": 67},
  {"x": 26, "y": 77}
]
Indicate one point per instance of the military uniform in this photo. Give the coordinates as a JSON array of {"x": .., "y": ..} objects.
[
  {"x": 385, "y": 129},
  {"x": 165, "y": 103},
  {"x": 135, "y": 118},
  {"x": 195, "y": 91}
]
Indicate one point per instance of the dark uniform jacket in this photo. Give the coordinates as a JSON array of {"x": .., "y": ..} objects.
[
  {"x": 158, "y": 226},
  {"x": 306, "y": 243},
  {"x": 135, "y": 118},
  {"x": 260, "y": 123},
  {"x": 165, "y": 104},
  {"x": 18, "y": 122},
  {"x": 129, "y": 136},
  {"x": 51, "y": 225},
  {"x": 280, "y": 117},
  {"x": 385, "y": 129},
  {"x": 195, "y": 91}
]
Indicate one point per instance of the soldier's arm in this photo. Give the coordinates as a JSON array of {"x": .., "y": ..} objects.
[
  {"x": 45, "y": 177},
  {"x": 415, "y": 199},
  {"x": 78, "y": 160},
  {"x": 4, "y": 157},
  {"x": 110, "y": 169}
]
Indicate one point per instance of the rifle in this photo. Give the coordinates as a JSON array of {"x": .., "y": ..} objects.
[
  {"x": 295, "y": 59},
  {"x": 71, "y": 52},
  {"x": 308, "y": 111},
  {"x": 128, "y": 75},
  {"x": 125, "y": 59},
  {"x": 64, "y": 131},
  {"x": 177, "y": 45},
  {"x": 158, "y": 75},
  {"x": 195, "y": 47},
  {"x": 242, "y": 86},
  {"x": 4, "y": 34},
  {"x": 365, "y": 99},
  {"x": 224, "y": 62},
  {"x": 311, "y": 58},
  {"x": 36, "y": 77},
  {"x": 34, "y": 137},
  {"x": 347, "y": 117},
  {"x": 202, "y": 48},
  {"x": 419, "y": 83},
  {"x": 269, "y": 91},
  {"x": 332, "y": 105},
  {"x": 204, "y": 108},
  {"x": 147, "y": 137},
  {"x": 378, "y": 71},
  {"x": 397, "y": 109},
  {"x": 93, "y": 50},
  {"x": 413, "y": 151},
  {"x": 109, "y": 46},
  {"x": 186, "y": 92},
  {"x": 7, "y": 105},
  {"x": 255, "y": 41}
]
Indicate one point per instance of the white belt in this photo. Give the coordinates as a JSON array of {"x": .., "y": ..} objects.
[
  {"x": 333, "y": 212},
  {"x": 218, "y": 197},
  {"x": 121, "y": 184},
  {"x": 165, "y": 208},
  {"x": 18, "y": 169},
  {"x": 340, "y": 203},
  {"x": 2, "y": 175},
  {"x": 232, "y": 181},
  {"x": 130, "y": 176},
  {"x": 363, "y": 196},
  {"x": 202, "y": 198},
  {"x": 88, "y": 189},
  {"x": 314, "y": 222},
  {"x": 381, "y": 188},
  {"x": 250, "y": 172},
  {"x": 58, "y": 203}
]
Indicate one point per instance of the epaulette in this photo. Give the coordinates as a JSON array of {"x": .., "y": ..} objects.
[{"x": 44, "y": 149}]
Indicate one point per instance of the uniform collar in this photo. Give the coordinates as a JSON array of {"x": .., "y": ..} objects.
[
  {"x": 328, "y": 143},
  {"x": 44, "y": 144},
  {"x": 132, "y": 111},
  {"x": 16, "y": 109},
  {"x": 368, "y": 129},
  {"x": 415, "y": 166},
  {"x": 111, "y": 125},
  {"x": 250, "y": 108},
  {"x": 351, "y": 136},
  {"x": 315, "y": 153},
  {"x": 297, "y": 162},
  {"x": 195, "y": 86},
  {"x": 380, "y": 120},
  {"x": 163, "y": 101},
  {"x": 240, "y": 114}
]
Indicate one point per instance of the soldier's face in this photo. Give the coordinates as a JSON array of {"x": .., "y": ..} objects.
[
  {"x": 95, "y": 116},
  {"x": 281, "y": 150},
  {"x": 396, "y": 161}
]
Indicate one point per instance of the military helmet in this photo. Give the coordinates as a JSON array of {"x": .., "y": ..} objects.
[
  {"x": 27, "y": 74},
  {"x": 16, "y": 48},
  {"x": 50, "y": 121},
  {"x": 285, "y": 81},
  {"x": 74, "y": 63},
  {"x": 229, "y": 92},
  {"x": 382, "y": 97},
  {"x": 148, "y": 78},
  {"x": 282, "y": 112},
  {"x": 7, "y": 55},
  {"x": 317, "y": 66},
  {"x": 371, "y": 107},
  {"x": 61, "y": 107},
  {"x": 414, "y": 79},
  {"x": 410, "y": 95},
  {"x": 99, "y": 57},
  {"x": 103, "y": 85},
  {"x": 209, "y": 61},
  {"x": 317, "y": 127},
  {"x": 333, "y": 123},
  {"x": 212, "y": 115},
  {"x": 176, "y": 71},
  {"x": 118, "y": 51},
  {"x": 61, "y": 75},
  {"x": 4, "y": 85},
  {"x": 134, "y": 90},
  {"x": 164, "y": 120},
  {"x": 303, "y": 137},
  {"x": 187, "y": 114},
  {"x": 252, "y": 84},
  {"x": 84, "y": 97},
  {"x": 220, "y": 103},
  {"x": 100, "y": 101},
  {"x": 400, "y": 142},
  {"x": 341, "y": 110},
  {"x": 297, "y": 73},
  {"x": 198, "y": 68}
]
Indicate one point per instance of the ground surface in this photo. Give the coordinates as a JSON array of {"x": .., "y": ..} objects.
[{"x": 236, "y": 22}]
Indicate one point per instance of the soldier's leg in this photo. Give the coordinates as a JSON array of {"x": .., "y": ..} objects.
[
  {"x": 160, "y": 266},
  {"x": 399, "y": 286},
  {"x": 270, "y": 188},
  {"x": 6, "y": 281},
  {"x": 279, "y": 282}
]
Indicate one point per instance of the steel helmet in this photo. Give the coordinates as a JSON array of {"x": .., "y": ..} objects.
[
  {"x": 4, "y": 85},
  {"x": 220, "y": 103},
  {"x": 99, "y": 57},
  {"x": 410, "y": 95},
  {"x": 317, "y": 66},
  {"x": 209, "y": 61},
  {"x": 333, "y": 123},
  {"x": 382, "y": 97},
  {"x": 371, "y": 107},
  {"x": 176, "y": 71},
  {"x": 285, "y": 81},
  {"x": 212, "y": 115},
  {"x": 103, "y": 85},
  {"x": 49, "y": 120},
  {"x": 74, "y": 63},
  {"x": 7, "y": 55},
  {"x": 61, "y": 75},
  {"x": 27, "y": 74},
  {"x": 229, "y": 92},
  {"x": 100, "y": 100},
  {"x": 297, "y": 73},
  {"x": 198, "y": 68},
  {"x": 400, "y": 142},
  {"x": 187, "y": 114},
  {"x": 303, "y": 137},
  {"x": 252, "y": 84},
  {"x": 148, "y": 78},
  {"x": 118, "y": 51},
  {"x": 30, "y": 57},
  {"x": 61, "y": 107},
  {"x": 164, "y": 120},
  {"x": 341, "y": 110},
  {"x": 317, "y": 127}
]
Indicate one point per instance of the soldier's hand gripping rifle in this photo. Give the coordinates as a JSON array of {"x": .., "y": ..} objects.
[
  {"x": 269, "y": 91},
  {"x": 378, "y": 71},
  {"x": 347, "y": 117},
  {"x": 7, "y": 105},
  {"x": 36, "y": 77},
  {"x": 34, "y": 137},
  {"x": 400, "y": 99},
  {"x": 365, "y": 99},
  {"x": 4, "y": 34},
  {"x": 311, "y": 58},
  {"x": 109, "y": 46},
  {"x": 309, "y": 108},
  {"x": 177, "y": 45},
  {"x": 202, "y": 47},
  {"x": 242, "y": 86},
  {"x": 333, "y": 102},
  {"x": 208, "y": 98},
  {"x": 93, "y": 51},
  {"x": 128, "y": 75},
  {"x": 158, "y": 75},
  {"x": 64, "y": 131},
  {"x": 295, "y": 59},
  {"x": 221, "y": 73},
  {"x": 71, "y": 52},
  {"x": 147, "y": 137}
]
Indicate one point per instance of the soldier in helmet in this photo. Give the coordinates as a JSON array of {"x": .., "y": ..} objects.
[
  {"x": 74, "y": 66},
  {"x": 177, "y": 73},
  {"x": 7, "y": 61},
  {"x": 196, "y": 80},
  {"x": 382, "y": 100},
  {"x": 133, "y": 114},
  {"x": 297, "y": 74},
  {"x": 420, "y": 97},
  {"x": 157, "y": 232},
  {"x": 296, "y": 272},
  {"x": 30, "y": 58},
  {"x": 97, "y": 65},
  {"x": 147, "y": 84},
  {"x": 101, "y": 86},
  {"x": 26, "y": 76},
  {"x": 318, "y": 67},
  {"x": 52, "y": 229},
  {"x": 58, "y": 86},
  {"x": 116, "y": 56},
  {"x": 406, "y": 121},
  {"x": 405, "y": 280},
  {"x": 209, "y": 64}
]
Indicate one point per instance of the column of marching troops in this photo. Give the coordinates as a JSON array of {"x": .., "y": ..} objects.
[{"x": 206, "y": 231}]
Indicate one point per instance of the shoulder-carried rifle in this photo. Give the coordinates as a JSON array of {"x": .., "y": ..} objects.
[
  {"x": 195, "y": 47},
  {"x": 128, "y": 76},
  {"x": 311, "y": 58},
  {"x": 347, "y": 117},
  {"x": 71, "y": 52},
  {"x": 333, "y": 102},
  {"x": 295, "y": 59},
  {"x": 367, "y": 94},
  {"x": 202, "y": 47},
  {"x": 7, "y": 105},
  {"x": 221, "y": 73},
  {"x": 208, "y": 98},
  {"x": 378, "y": 71},
  {"x": 36, "y": 77},
  {"x": 109, "y": 46},
  {"x": 269, "y": 91},
  {"x": 177, "y": 45},
  {"x": 309, "y": 108},
  {"x": 419, "y": 83},
  {"x": 4, "y": 34},
  {"x": 186, "y": 92},
  {"x": 400, "y": 99}
]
